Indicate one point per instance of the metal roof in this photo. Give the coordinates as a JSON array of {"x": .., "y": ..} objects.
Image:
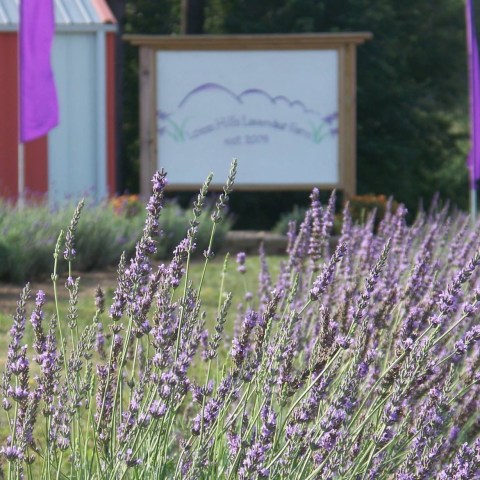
[{"x": 69, "y": 15}]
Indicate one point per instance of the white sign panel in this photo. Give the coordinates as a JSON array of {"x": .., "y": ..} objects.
[{"x": 276, "y": 111}]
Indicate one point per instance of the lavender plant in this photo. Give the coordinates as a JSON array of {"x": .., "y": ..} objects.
[{"x": 360, "y": 363}]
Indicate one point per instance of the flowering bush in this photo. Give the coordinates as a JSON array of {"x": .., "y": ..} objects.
[
  {"x": 126, "y": 205},
  {"x": 362, "y": 205},
  {"x": 28, "y": 234},
  {"x": 357, "y": 363}
]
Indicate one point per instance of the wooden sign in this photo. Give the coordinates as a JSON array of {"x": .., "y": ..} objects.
[{"x": 284, "y": 105}]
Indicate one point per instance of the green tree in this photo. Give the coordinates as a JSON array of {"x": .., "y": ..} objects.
[
  {"x": 193, "y": 16},
  {"x": 149, "y": 17},
  {"x": 412, "y": 84}
]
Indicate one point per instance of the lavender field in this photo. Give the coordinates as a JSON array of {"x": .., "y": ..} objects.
[{"x": 358, "y": 362}]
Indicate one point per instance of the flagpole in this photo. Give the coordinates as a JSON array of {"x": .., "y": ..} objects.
[
  {"x": 473, "y": 206},
  {"x": 21, "y": 175},
  {"x": 474, "y": 100},
  {"x": 21, "y": 149}
]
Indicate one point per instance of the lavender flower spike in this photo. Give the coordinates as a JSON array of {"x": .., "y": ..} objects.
[
  {"x": 241, "y": 257},
  {"x": 326, "y": 277},
  {"x": 70, "y": 253}
]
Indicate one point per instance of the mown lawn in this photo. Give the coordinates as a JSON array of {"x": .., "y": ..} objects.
[{"x": 233, "y": 282}]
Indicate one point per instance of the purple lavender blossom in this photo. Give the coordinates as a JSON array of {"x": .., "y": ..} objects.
[
  {"x": 326, "y": 277},
  {"x": 175, "y": 270},
  {"x": 12, "y": 453},
  {"x": 471, "y": 337},
  {"x": 253, "y": 464},
  {"x": 158, "y": 409},
  {"x": 36, "y": 319},
  {"x": 69, "y": 251},
  {"x": 234, "y": 443},
  {"x": 316, "y": 237},
  {"x": 99, "y": 299},
  {"x": 465, "y": 464},
  {"x": 299, "y": 249},
  {"x": 448, "y": 298},
  {"x": 210, "y": 413},
  {"x": 241, "y": 258},
  {"x": 264, "y": 278},
  {"x": 240, "y": 344},
  {"x": 133, "y": 279}
]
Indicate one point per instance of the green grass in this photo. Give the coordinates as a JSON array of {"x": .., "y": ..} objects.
[{"x": 234, "y": 282}]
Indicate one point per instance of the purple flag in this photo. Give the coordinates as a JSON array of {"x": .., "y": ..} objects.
[
  {"x": 474, "y": 82},
  {"x": 38, "y": 96}
]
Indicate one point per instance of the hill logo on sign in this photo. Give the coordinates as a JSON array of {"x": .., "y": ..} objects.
[{"x": 251, "y": 117}]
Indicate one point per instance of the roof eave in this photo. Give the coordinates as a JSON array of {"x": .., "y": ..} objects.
[{"x": 69, "y": 28}]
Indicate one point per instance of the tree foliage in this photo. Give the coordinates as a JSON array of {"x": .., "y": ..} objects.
[
  {"x": 412, "y": 84},
  {"x": 150, "y": 17}
]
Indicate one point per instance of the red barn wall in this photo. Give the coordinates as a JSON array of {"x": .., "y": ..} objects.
[{"x": 36, "y": 152}]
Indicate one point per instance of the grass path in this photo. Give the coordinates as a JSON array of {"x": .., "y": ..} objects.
[{"x": 234, "y": 282}]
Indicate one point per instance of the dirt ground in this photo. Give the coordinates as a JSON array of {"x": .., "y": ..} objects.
[{"x": 9, "y": 293}]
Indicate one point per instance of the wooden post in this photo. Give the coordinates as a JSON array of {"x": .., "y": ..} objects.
[
  {"x": 350, "y": 125},
  {"x": 148, "y": 137},
  {"x": 343, "y": 161}
]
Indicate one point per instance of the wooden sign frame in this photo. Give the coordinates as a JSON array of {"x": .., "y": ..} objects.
[{"x": 344, "y": 43}]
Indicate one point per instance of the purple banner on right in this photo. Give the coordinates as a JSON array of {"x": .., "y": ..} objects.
[{"x": 474, "y": 82}]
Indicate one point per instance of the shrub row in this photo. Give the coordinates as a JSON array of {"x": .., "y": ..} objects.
[{"x": 28, "y": 235}]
